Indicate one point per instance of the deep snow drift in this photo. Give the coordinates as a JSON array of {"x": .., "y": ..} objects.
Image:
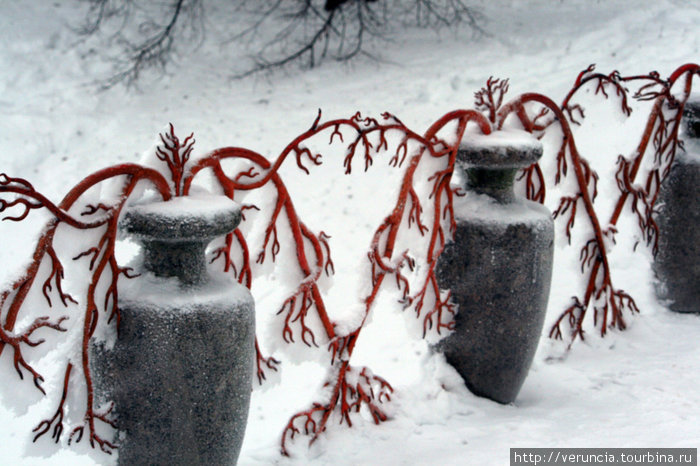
[{"x": 636, "y": 388}]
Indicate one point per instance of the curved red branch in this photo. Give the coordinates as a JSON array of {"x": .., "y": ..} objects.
[
  {"x": 352, "y": 390},
  {"x": 102, "y": 256},
  {"x": 584, "y": 177},
  {"x": 21, "y": 286}
]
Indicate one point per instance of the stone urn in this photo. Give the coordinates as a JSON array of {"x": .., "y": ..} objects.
[
  {"x": 180, "y": 372},
  {"x": 498, "y": 266},
  {"x": 677, "y": 262}
]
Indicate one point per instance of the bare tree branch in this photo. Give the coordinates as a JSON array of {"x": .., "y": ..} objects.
[
  {"x": 283, "y": 32},
  {"x": 155, "y": 45}
]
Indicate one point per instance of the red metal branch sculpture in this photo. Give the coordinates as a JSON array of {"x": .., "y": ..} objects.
[
  {"x": 440, "y": 311},
  {"x": 608, "y": 303},
  {"x": 661, "y": 130},
  {"x": 313, "y": 257},
  {"x": 662, "y": 127},
  {"x": 175, "y": 155},
  {"x": 102, "y": 259},
  {"x": 303, "y": 312},
  {"x": 370, "y": 136},
  {"x": 352, "y": 389}
]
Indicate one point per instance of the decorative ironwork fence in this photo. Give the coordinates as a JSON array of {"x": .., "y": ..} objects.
[{"x": 304, "y": 314}]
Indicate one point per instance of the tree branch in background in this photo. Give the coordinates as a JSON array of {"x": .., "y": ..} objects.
[
  {"x": 280, "y": 32},
  {"x": 448, "y": 13},
  {"x": 341, "y": 30},
  {"x": 154, "y": 44}
]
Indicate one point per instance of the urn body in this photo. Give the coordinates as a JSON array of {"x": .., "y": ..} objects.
[
  {"x": 677, "y": 262},
  {"x": 180, "y": 371}
]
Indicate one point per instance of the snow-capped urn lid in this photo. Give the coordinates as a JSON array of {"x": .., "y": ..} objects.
[
  {"x": 175, "y": 233},
  {"x": 499, "y": 150},
  {"x": 198, "y": 217},
  {"x": 491, "y": 161},
  {"x": 691, "y": 116}
]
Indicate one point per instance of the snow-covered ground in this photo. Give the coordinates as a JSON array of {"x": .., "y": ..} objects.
[{"x": 636, "y": 388}]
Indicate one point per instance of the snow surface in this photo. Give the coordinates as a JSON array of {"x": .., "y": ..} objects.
[{"x": 636, "y": 388}]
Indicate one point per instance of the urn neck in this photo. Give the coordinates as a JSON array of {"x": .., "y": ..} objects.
[
  {"x": 691, "y": 117},
  {"x": 491, "y": 161},
  {"x": 496, "y": 183},
  {"x": 184, "y": 260}
]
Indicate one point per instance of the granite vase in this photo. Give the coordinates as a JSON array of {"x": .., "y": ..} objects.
[
  {"x": 677, "y": 262},
  {"x": 180, "y": 371},
  {"x": 498, "y": 266}
]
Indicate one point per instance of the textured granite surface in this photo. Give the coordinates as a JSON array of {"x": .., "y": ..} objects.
[
  {"x": 677, "y": 263},
  {"x": 183, "y": 384},
  {"x": 499, "y": 275}
]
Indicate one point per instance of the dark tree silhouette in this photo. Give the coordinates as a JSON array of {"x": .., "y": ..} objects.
[{"x": 279, "y": 32}]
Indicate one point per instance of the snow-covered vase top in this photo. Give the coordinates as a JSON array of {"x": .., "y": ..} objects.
[
  {"x": 492, "y": 161},
  {"x": 497, "y": 266},
  {"x": 175, "y": 233}
]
